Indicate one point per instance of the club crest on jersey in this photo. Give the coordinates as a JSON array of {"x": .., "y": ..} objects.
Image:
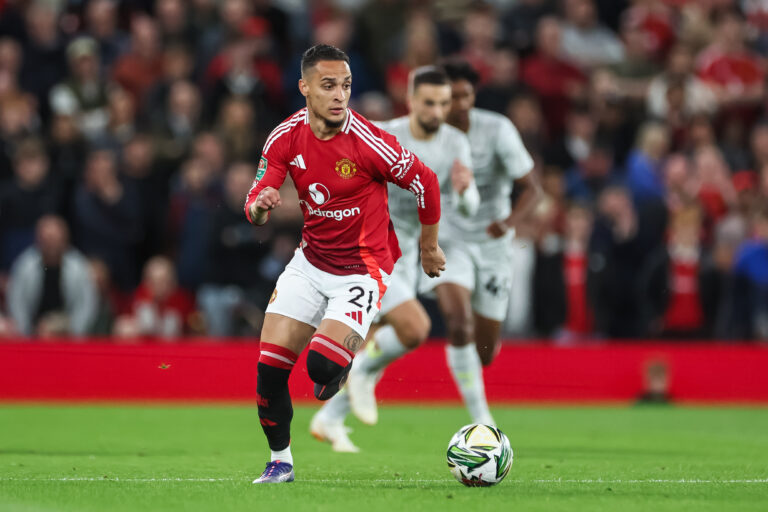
[
  {"x": 346, "y": 168},
  {"x": 262, "y": 168},
  {"x": 273, "y": 297}
]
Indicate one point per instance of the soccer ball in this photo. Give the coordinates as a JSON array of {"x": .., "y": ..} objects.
[{"x": 479, "y": 455}]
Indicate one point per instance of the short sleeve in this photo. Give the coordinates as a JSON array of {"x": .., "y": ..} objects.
[{"x": 515, "y": 159}]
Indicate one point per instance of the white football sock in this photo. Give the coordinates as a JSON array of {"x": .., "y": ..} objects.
[
  {"x": 283, "y": 456},
  {"x": 382, "y": 350},
  {"x": 337, "y": 408},
  {"x": 468, "y": 374}
]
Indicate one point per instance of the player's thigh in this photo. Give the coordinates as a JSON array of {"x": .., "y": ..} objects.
[
  {"x": 354, "y": 300},
  {"x": 487, "y": 338},
  {"x": 296, "y": 306},
  {"x": 286, "y": 332},
  {"x": 410, "y": 322}
]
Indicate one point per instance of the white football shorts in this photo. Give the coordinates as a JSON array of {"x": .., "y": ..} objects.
[
  {"x": 308, "y": 294},
  {"x": 484, "y": 268}
]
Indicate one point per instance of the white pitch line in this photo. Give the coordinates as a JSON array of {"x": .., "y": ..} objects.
[{"x": 404, "y": 481}]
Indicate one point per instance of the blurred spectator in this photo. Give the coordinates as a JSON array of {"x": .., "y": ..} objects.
[
  {"x": 589, "y": 176},
  {"x": 174, "y": 131},
  {"x": 160, "y": 307},
  {"x": 111, "y": 303},
  {"x": 44, "y": 63},
  {"x": 139, "y": 69},
  {"x": 555, "y": 80},
  {"x": 191, "y": 203},
  {"x": 173, "y": 21},
  {"x": 751, "y": 275},
  {"x": 178, "y": 65},
  {"x": 231, "y": 15},
  {"x": 520, "y": 22},
  {"x": 525, "y": 112},
  {"x": 620, "y": 246},
  {"x": 503, "y": 84},
  {"x": 235, "y": 250},
  {"x": 237, "y": 129},
  {"x": 382, "y": 23},
  {"x": 83, "y": 94},
  {"x": 481, "y": 32},
  {"x": 245, "y": 68},
  {"x": 638, "y": 66},
  {"x": 644, "y": 166},
  {"x": 107, "y": 218},
  {"x": 419, "y": 48},
  {"x": 102, "y": 25},
  {"x": 561, "y": 303},
  {"x": 67, "y": 149},
  {"x": 714, "y": 186},
  {"x": 655, "y": 24},
  {"x": 23, "y": 201},
  {"x": 576, "y": 142},
  {"x": 758, "y": 143},
  {"x": 728, "y": 66},
  {"x": 677, "y": 94},
  {"x": 677, "y": 279},
  {"x": 585, "y": 41},
  {"x": 50, "y": 290}
]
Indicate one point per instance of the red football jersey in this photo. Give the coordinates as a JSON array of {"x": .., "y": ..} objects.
[{"x": 342, "y": 186}]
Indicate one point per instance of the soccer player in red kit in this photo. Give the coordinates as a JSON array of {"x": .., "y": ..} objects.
[{"x": 331, "y": 290}]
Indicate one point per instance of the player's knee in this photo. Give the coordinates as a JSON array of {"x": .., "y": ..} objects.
[
  {"x": 460, "y": 329},
  {"x": 413, "y": 332},
  {"x": 326, "y": 359}
]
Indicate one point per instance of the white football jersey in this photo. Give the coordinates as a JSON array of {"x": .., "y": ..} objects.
[
  {"x": 498, "y": 158},
  {"x": 438, "y": 153}
]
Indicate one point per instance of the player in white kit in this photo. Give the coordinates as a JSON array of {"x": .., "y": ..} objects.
[
  {"x": 446, "y": 151},
  {"x": 473, "y": 292}
]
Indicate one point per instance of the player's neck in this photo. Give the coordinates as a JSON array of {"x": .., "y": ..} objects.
[
  {"x": 321, "y": 129},
  {"x": 417, "y": 131},
  {"x": 461, "y": 124}
]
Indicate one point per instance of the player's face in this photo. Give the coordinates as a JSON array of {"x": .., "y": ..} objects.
[
  {"x": 327, "y": 86},
  {"x": 430, "y": 104},
  {"x": 463, "y": 99}
]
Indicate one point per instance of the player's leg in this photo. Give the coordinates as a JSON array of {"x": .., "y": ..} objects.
[
  {"x": 407, "y": 326},
  {"x": 292, "y": 315},
  {"x": 353, "y": 303},
  {"x": 487, "y": 338},
  {"x": 490, "y": 301},
  {"x": 463, "y": 361}
]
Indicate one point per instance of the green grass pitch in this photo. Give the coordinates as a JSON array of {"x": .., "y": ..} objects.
[{"x": 166, "y": 458}]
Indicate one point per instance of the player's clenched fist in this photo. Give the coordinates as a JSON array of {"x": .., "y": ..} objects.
[
  {"x": 432, "y": 260},
  {"x": 268, "y": 199},
  {"x": 461, "y": 177}
]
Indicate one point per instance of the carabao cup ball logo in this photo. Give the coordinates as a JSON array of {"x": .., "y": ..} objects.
[{"x": 319, "y": 193}]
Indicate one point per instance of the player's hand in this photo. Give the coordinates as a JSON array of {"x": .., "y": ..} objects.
[
  {"x": 461, "y": 176},
  {"x": 432, "y": 260},
  {"x": 497, "y": 229},
  {"x": 268, "y": 199}
]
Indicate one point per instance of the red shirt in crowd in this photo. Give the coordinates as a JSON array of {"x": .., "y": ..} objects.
[
  {"x": 684, "y": 311},
  {"x": 734, "y": 71},
  {"x": 166, "y": 318},
  {"x": 578, "y": 317},
  {"x": 342, "y": 187},
  {"x": 552, "y": 79}
]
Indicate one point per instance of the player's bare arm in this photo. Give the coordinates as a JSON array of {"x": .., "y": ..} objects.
[
  {"x": 526, "y": 202},
  {"x": 432, "y": 257},
  {"x": 461, "y": 177}
]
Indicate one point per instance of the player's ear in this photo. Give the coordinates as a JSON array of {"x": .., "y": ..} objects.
[{"x": 303, "y": 87}]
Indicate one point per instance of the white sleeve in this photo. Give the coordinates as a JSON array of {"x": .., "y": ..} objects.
[
  {"x": 468, "y": 202},
  {"x": 515, "y": 158}
]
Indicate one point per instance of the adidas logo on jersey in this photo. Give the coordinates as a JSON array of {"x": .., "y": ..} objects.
[
  {"x": 357, "y": 316},
  {"x": 298, "y": 161}
]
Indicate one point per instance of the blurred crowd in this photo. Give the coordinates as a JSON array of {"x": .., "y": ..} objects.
[{"x": 129, "y": 132}]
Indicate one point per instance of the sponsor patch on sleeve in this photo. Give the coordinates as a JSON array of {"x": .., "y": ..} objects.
[{"x": 262, "y": 168}]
